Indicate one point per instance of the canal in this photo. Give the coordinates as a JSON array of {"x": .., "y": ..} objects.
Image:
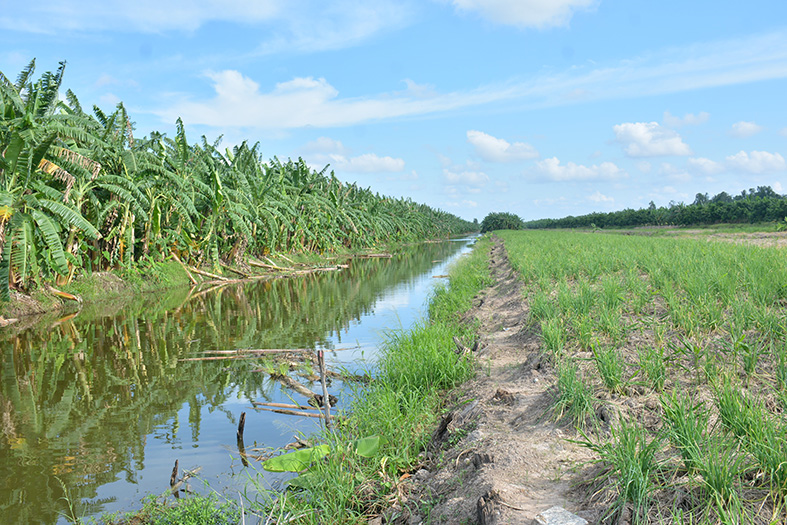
[{"x": 103, "y": 402}]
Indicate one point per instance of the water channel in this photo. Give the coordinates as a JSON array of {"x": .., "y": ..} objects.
[{"x": 104, "y": 402}]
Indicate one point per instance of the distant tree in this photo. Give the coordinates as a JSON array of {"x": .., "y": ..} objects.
[
  {"x": 501, "y": 221},
  {"x": 701, "y": 198},
  {"x": 722, "y": 197}
]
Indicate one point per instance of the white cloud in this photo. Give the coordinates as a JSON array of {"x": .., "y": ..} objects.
[
  {"x": 783, "y": 132},
  {"x": 649, "y": 139},
  {"x": 300, "y": 102},
  {"x": 689, "y": 119},
  {"x": 109, "y": 99},
  {"x": 324, "y": 145},
  {"x": 598, "y": 197},
  {"x": 325, "y": 150},
  {"x": 674, "y": 173},
  {"x": 777, "y": 187},
  {"x": 368, "y": 163},
  {"x": 744, "y": 129},
  {"x": 526, "y": 13},
  {"x": 461, "y": 204},
  {"x": 493, "y": 149},
  {"x": 282, "y": 25},
  {"x": 465, "y": 177},
  {"x": 644, "y": 166},
  {"x": 705, "y": 166},
  {"x": 317, "y": 103},
  {"x": 757, "y": 162},
  {"x": 142, "y": 15},
  {"x": 553, "y": 170}
]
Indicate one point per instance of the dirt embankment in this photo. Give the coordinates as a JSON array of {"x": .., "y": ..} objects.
[{"x": 499, "y": 457}]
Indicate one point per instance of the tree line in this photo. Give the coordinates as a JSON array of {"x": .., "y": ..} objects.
[
  {"x": 78, "y": 191},
  {"x": 761, "y": 204}
]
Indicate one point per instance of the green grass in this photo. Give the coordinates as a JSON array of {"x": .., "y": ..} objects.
[
  {"x": 703, "y": 320},
  {"x": 402, "y": 405},
  {"x": 631, "y": 460},
  {"x": 192, "y": 510},
  {"x": 653, "y": 367},
  {"x": 574, "y": 397},
  {"x": 609, "y": 364}
]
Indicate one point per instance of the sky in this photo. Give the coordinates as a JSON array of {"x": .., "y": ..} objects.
[{"x": 543, "y": 108}]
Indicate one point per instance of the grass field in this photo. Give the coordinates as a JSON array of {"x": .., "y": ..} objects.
[{"x": 670, "y": 357}]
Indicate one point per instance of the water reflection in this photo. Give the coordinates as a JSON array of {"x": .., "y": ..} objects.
[{"x": 98, "y": 400}]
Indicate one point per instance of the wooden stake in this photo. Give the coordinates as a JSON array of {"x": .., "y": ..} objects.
[
  {"x": 173, "y": 479},
  {"x": 241, "y": 425},
  {"x": 325, "y": 399}
]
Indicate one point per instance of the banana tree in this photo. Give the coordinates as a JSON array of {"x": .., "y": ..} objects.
[{"x": 34, "y": 186}]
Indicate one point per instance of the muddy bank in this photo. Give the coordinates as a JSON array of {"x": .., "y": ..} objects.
[{"x": 498, "y": 456}]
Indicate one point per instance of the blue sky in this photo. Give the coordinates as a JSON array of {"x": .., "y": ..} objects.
[{"x": 544, "y": 108}]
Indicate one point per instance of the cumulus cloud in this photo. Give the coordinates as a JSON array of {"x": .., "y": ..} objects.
[
  {"x": 706, "y": 166},
  {"x": 689, "y": 119},
  {"x": 325, "y": 150},
  {"x": 745, "y": 129},
  {"x": 553, "y": 170},
  {"x": 757, "y": 162},
  {"x": 369, "y": 163},
  {"x": 303, "y": 101},
  {"x": 649, "y": 139},
  {"x": 599, "y": 197},
  {"x": 526, "y": 13},
  {"x": 493, "y": 149}
]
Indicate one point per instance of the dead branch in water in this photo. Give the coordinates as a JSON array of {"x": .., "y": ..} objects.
[
  {"x": 290, "y": 412},
  {"x": 208, "y": 274},
  {"x": 283, "y": 405}
]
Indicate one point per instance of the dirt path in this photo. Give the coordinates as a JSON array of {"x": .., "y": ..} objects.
[{"x": 506, "y": 448}]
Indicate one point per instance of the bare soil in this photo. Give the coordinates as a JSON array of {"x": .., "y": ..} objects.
[{"x": 499, "y": 457}]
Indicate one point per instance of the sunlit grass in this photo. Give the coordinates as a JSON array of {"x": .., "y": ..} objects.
[{"x": 702, "y": 320}]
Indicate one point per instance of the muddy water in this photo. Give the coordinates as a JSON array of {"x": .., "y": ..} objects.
[{"x": 104, "y": 402}]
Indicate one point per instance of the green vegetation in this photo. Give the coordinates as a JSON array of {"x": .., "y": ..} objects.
[
  {"x": 401, "y": 406},
  {"x": 501, "y": 221},
  {"x": 80, "y": 193},
  {"x": 197, "y": 510},
  {"x": 758, "y": 205},
  {"x": 679, "y": 346}
]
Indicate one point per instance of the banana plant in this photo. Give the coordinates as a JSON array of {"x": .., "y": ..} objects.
[{"x": 34, "y": 186}]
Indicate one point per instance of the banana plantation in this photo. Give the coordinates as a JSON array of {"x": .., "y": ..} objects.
[{"x": 79, "y": 192}]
